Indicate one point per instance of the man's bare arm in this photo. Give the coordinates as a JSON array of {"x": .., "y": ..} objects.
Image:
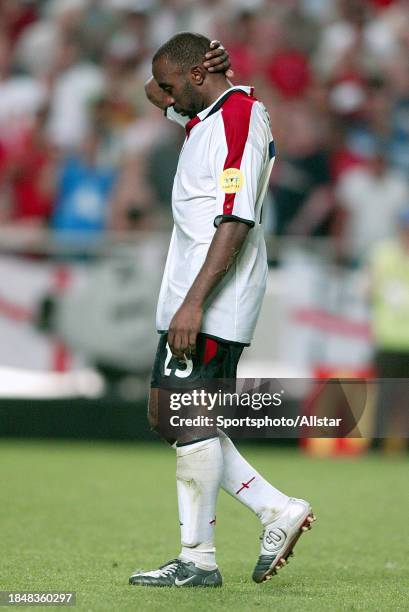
[
  {"x": 224, "y": 248},
  {"x": 156, "y": 95}
]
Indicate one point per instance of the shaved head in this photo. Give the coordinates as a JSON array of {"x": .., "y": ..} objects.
[
  {"x": 184, "y": 50},
  {"x": 177, "y": 67}
]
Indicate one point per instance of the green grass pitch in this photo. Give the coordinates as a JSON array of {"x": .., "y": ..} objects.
[{"x": 82, "y": 516}]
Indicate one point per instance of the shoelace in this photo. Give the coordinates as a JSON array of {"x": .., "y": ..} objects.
[{"x": 169, "y": 568}]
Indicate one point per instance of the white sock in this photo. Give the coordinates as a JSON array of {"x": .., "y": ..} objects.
[
  {"x": 199, "y": 468},
  {"x": 245, "y": 484},
  {"x": 203, "y": 555}
]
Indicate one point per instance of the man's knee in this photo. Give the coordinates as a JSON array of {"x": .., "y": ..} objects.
[
  {"x": 159, "y": 420},
  {"x": 157, "y": 424}
]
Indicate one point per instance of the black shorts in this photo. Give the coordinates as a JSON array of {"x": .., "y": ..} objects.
[{"x": 213, "y": 359}]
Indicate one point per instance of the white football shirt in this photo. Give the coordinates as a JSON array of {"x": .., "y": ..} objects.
[{"x": 222, "y": 174}]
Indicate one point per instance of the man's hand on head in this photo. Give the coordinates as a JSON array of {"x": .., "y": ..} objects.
[{"x": 218, "y": 60}]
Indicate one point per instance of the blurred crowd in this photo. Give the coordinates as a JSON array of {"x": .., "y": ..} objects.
[{"x": 82, "y": 150}]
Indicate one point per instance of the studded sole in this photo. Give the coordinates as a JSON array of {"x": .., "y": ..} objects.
[{"x": 283, "y": 559}]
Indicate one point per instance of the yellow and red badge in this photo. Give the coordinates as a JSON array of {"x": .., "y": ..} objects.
[{"x": 231, "y": 180}]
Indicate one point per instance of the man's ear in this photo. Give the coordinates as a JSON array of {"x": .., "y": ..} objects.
[{"x": 198, "y": 75}]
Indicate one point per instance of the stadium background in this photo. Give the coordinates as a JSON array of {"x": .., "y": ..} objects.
[{"x": 86, "y": 170}]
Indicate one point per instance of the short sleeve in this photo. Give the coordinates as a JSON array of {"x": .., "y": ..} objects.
[{"x": 237, "y": 163}]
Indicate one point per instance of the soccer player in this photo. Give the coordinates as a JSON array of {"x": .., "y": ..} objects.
[{"x": 210, "y": 298}]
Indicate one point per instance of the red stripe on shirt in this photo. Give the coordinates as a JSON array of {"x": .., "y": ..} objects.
[
  {"x": 191, "y": 124},
  {"x": 236, "y": 113}
]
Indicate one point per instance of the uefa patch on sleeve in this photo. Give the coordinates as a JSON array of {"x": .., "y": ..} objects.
[{"x": 231, "y": 180}]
